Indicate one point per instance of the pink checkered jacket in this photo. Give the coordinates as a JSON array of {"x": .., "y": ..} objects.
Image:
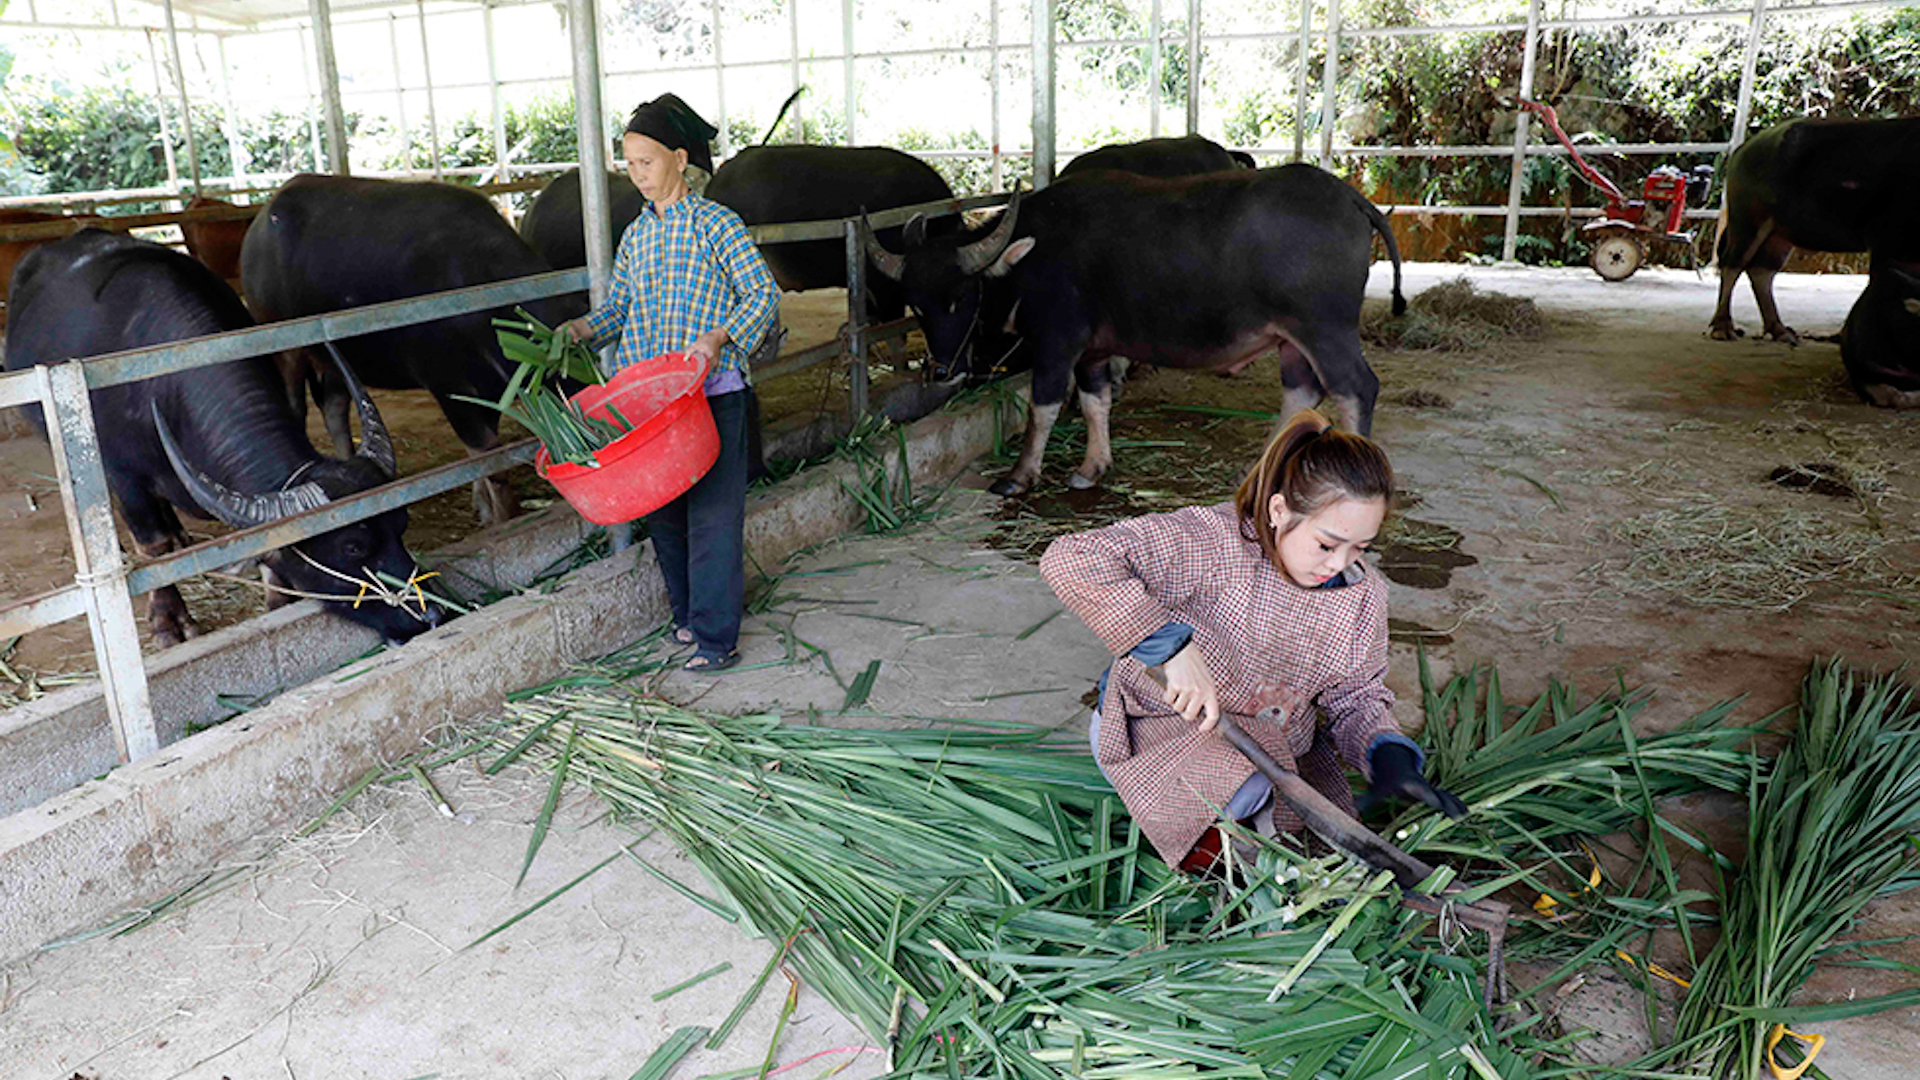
[{"x": 1276, "y": 650}]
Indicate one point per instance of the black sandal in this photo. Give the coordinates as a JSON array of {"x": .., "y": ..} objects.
[{"x": 711, "y": 662}]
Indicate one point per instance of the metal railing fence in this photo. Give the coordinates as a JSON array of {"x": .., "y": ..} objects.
[{"x": 104, "y": 585}]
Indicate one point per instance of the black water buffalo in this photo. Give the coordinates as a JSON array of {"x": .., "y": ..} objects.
[
  {"x": 218, "y": 441},
  {"x": 324, "y": 243},
  {"x": 1881, "y": 341},
  {"x": 1188, "y": 155},
  {"x": 552, "y": 225},
  {"x": 1815, "y": 184},
  {"x": 1200, "y": 272},
  {"x": 771, "y": 184}
]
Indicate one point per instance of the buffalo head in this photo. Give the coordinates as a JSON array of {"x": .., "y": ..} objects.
[
  {"x": 944, "y": 279},
  {"x": 354, "y": 568}
]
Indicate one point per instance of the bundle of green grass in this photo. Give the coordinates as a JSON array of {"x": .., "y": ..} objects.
[{"x": 980, "y": 901}]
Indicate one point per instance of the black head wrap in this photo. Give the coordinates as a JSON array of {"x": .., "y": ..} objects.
[{"x": 673, "y": 123}]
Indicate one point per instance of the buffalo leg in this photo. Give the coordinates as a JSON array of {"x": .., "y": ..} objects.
[
  {"x": 1300, "y": 387},
  {"x": 1343, "y": 371},
  {"x": 1052, "y": 370},
  {"x": 1761, "y": 278},
  {"x": 1097, "y": 408},
  {"x": 167, "y": 615},
  {"x": 1722, "y": 327},
  {"x": 1026, "y": 471},
  {"x": 493, "y": 501}
]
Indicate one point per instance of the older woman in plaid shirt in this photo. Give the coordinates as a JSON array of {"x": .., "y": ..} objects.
[
  {"x": 1261, "y": 608},
  {"x": 687, "y": 278}
]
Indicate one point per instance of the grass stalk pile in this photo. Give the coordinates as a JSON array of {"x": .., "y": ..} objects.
[
  {"x": 1453, "y": 316},
  {"x": 980, "y": 898},
  {"x": 1835, "y": 823}
]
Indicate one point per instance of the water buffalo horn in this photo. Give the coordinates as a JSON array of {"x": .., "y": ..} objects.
[
  {"x": 237, "y": 510},
  {"x": 980, "y": 254},
  {"x": 375, "y": 444},
  {"x": 888, "y": 263}
]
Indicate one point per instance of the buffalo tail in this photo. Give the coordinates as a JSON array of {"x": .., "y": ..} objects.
[{"x": 1379, "y": 221}]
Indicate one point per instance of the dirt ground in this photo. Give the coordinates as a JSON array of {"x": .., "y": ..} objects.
[{"x": 1593, "y": 506}]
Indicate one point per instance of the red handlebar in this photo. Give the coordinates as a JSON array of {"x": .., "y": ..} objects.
[{"x": 1545, "y": 112}]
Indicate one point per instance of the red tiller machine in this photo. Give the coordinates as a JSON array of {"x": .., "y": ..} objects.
[{"x": 1621, "y": 235}]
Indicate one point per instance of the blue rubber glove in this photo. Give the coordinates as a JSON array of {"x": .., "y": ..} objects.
[{"x": 1396, "y": 775}]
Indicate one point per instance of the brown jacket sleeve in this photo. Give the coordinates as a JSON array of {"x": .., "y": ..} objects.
[
  {"x": 1359, "y": 706},
  {"x": 1124, "y": 581}
]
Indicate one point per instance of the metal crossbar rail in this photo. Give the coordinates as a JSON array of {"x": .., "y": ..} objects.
[{"x": 104, "y": 587}]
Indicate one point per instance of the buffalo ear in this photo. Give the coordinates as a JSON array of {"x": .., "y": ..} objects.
[
  {"x": 1907, "y": 281},
  {"x": 1016, "y": 251}
]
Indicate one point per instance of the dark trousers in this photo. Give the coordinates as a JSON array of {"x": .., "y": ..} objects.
[{"x": 699, "y": 539}]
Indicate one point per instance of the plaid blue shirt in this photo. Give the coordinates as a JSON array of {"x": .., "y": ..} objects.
[{"x": 678, "y": 274}]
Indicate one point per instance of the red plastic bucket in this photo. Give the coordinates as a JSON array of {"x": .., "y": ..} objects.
[{"x": 672, "y": 445}]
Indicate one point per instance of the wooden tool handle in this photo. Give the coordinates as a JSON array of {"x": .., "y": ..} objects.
[{"x": 1326, "y": 819}]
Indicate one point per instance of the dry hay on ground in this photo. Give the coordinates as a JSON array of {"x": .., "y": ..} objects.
[
  {"x": 1454, "y": 316},
  {"x": 1713, "y": 555}
]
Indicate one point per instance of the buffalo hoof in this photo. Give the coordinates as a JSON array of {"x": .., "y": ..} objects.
[
  {"x": 1783, "y": 332},
  {"x": 169, "y": 633},
  {"x": 1725, "y": 331},
  {"x": 1889, "y": 398},
  {"x": 1083, "y": 483},
  {"x": 1007, "y": 487}
]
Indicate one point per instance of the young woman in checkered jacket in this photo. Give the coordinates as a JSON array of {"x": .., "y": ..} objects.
[{"x": 1261, "y": 608}]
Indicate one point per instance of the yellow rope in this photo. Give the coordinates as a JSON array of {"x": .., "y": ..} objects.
[{"x": 1780, "y": 1072}]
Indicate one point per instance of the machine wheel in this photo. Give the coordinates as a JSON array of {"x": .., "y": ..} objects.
[{"x": 1617, "y": 256}]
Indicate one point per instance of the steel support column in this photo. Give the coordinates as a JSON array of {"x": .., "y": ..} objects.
[
  {"x": 583, "y": 27},
  {"x": 400, "y": 92},
  {"x": 719, "y": 87},
  {"x": 329, "y": 73},
  {"x": 793, "y": 54},
  {"x": 426, "y": 73},
  {"x": 501, "y": 169},
  {"x": 1156, "y": 68},
  {"x": 1300, "y": 82},
  {"x": 1522, "y": 131},
  {"x": 1749, "y": 66},
  {"x": 995, "y": 172},
  {"x": 851, "y": 102},
  {"x": 160, "y": 106},
  {"x": 186, "y": 102},
  {"x": 306, "y": 81},
  {"x": 1042, "y": 93},
  {"x": 1330, "y": 85},
  {"x": 1194, "y": 48},
  {"x": 236, "y": 147},
  {"x": 99, "y": 568}
]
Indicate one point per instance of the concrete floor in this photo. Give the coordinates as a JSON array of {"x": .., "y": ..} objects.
[{"x": 337, "y": 957}]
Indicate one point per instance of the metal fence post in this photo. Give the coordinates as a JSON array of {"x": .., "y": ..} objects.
[
  {"x": 583, "y": 25},
  {"x": 1330, "y": 84},
  {"x": 1042, "y": 93},
  {"x": 1193, "y": 67},
  {"x": 793, "y": 53},
  {"x": 186, "y": 103},
  {"x": 857, "y": 318},
  {"x": 1522, "y": 131},
  {"x": 99, "y": 569},
  {"x": 1300, "y": 83},
  {"x": 306, "y": 80},
  {"x": 1743, "y": 108},
  {"x": 329, "y": 72}
]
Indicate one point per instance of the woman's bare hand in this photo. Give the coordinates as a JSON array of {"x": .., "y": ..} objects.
[{"x": 1190, "y": 688}]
